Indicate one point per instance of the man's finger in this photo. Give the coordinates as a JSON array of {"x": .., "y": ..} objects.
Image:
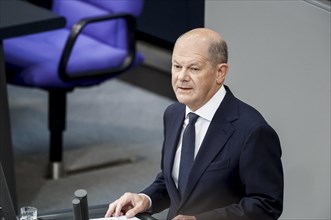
[
  {"x": 118, "y": 210},
  {"x": 122, "y": 202},
  {"x": 111, "y": 209},
  {"x": 134, "y": 211}
]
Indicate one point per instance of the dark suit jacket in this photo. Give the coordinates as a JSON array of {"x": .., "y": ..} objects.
[{"x": 237, "y": 173}]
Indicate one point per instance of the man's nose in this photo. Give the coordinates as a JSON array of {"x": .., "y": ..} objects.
[{"x": 183, "y": 75}]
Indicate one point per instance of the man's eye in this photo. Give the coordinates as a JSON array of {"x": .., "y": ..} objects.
[
  {"x": 195, "y": 69},
  {"x": 177, "y": 66}
]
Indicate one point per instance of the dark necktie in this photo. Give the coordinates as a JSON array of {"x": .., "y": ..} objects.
[{"x": 187, "y": 154}]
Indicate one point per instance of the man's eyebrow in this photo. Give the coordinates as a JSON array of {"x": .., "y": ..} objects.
[{"x": 195, "y": 64}]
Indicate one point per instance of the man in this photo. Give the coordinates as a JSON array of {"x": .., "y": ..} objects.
[{"x": 237, "y": 171}]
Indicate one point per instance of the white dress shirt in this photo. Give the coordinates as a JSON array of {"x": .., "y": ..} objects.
[{"x": 206, "y": 113}]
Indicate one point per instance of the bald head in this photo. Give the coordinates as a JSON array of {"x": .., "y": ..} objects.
[
  {"x": 213, "y": 42},
  {"x": 199, "y": 66}
]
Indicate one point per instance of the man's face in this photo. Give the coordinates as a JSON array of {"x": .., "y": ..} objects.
[{"x": 194, "y": 78}]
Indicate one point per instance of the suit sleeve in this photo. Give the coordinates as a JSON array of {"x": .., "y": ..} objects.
[
  {"x": 157, "y": 191},
  {"x": 261, "y": 175},
  {"x": 158, "y": 194}
]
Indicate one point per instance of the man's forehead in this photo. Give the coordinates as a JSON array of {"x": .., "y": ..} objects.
[
  {"x": 192, "y": 45},
  {"x": 189, "y": 59},
  {"x": 194, "y": 52}
]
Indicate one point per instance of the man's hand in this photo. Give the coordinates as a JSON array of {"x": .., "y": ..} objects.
[
  {"x": 129, "y": 204},
  {"x": 184, "y": 217}
]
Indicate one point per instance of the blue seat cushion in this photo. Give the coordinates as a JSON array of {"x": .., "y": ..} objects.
[{"x": 38, "y": 56}]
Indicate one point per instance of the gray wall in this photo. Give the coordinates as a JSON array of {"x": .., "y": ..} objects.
[{"x": 280, "y": 63}]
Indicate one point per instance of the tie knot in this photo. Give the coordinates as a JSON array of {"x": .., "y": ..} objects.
[{"x": 192, "y": 117}]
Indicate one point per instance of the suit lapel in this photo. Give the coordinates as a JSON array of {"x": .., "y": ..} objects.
[
  {"x": 219, "y": 131},
  {"x": 173, "y": 129}
]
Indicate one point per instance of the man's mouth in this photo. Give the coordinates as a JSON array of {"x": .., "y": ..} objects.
[{"x": 184, "y": 88}]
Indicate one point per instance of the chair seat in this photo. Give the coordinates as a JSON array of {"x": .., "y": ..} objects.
[{"x": 38, "y": 56}]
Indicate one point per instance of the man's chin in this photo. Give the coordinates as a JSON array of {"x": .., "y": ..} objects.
[{"x": 184, "y": 99}]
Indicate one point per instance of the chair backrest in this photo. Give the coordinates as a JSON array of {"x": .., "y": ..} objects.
[{"x": 74, "y": 10}]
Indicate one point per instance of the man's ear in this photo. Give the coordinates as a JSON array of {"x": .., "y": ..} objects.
[{"x": 222, "y": 71}]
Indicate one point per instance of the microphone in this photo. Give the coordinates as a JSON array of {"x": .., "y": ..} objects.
[
  {"x": 81, "y": 195},
  {"x": 77, "y": 209},
  {"x": 1, "y": 214}
]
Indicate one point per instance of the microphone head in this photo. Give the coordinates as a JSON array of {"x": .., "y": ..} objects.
[
  {"x": 75, "y": 201},
  {"x": 80, "y": 193}
]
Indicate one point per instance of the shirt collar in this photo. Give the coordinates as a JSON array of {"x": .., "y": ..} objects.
[{"x": 208, "y": 110}]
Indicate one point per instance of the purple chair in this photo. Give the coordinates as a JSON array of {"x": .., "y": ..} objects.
[{"x": 97, "y": 44}]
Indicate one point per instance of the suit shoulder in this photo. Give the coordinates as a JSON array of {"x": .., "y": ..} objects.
[
  {"x": 174, "y": 108},
  {"x": 250, "y": 115},
  {"x": 237, "y": 109},
  {"x": 250, "y": 121}
]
